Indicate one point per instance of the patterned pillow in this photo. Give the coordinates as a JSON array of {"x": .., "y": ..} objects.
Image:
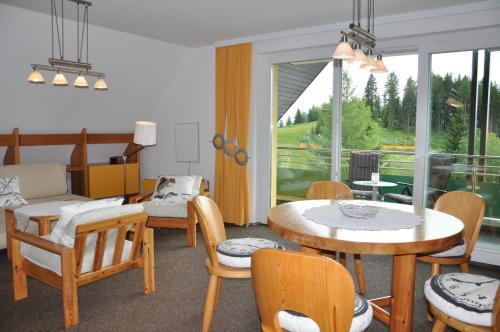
[
  {"x": 10, "y": 195},
  {"x": 173, "y": 187}
]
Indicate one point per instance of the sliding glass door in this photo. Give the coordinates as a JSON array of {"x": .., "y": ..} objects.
[{"x": 464, "y": 132}]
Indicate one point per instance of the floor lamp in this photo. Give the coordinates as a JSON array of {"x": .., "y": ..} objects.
[{"x": 144, "y": 136}]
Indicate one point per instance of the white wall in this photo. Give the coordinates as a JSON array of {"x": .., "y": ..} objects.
[{"x": 148, "y": 80}]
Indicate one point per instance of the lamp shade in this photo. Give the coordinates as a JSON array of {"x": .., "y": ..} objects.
[
  {"x": 80, "y": 82},
  {"x": 370, "y": 64},
  {"x": 59, "y": 80},
  {"x": 36, "y": 77},
  {"x": 380, "y": 66},
  {"x": 359, "y": 57},
  {"x": 145, "y": 133},
  {"x": 343, "y": 51},
  {"x": 100, "y": 84}
]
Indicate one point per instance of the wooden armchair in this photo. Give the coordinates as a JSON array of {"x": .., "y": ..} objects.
[
  {"x": 189, "y": 223},
  {"x": 74, "y": 269}
]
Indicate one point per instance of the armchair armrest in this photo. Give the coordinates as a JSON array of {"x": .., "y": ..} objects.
[
  {"x": 39, "y": 242},
  {"x": 140, "y": 197}
]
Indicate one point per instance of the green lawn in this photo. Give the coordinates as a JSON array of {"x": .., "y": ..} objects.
[{"x": 295, "y": 134}]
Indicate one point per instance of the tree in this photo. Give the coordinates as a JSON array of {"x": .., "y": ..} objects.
[
  {"x": 347, "y": 87},
  {"x": 299, "y": 117},
  {"x": 409, "y": 104},
  {"x": 371, "y": 97},
  {"x": 391, "y": 111},
  {"x": 288, "y": 122},
  {"x": 457, "y": 131},
  {"x": 313, "y": 114},
  {"x": 280, "y": 124}
]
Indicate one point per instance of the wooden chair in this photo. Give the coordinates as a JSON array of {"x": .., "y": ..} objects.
[
  {"x": 189, "y": 223},
  {"x": 212, "y": 228},
  {"x": 456, "y": 321},
  {"x": 71, "y": 276},
  {"x": 337, "y": 190},
  {"x": 469, "y": 208},
  {"x": 312, "y": 285}
]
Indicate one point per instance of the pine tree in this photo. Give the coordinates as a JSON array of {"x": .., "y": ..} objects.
[
  {"x": 409, "y": 104},
  {"x": 391, "y": 112},
  {"x": 456, "y": 132},
  {"x": 280, "y": 124},
  {"x": 371, "y": 97},
  {"x": 299, "y": 117},
  {"x": 288, "y": 122},
  {"x": 313, "y": 114},
  {"x": 347, "y": 87}
]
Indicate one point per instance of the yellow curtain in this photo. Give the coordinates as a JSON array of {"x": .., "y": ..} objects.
[{"x": 232, "y": 104}]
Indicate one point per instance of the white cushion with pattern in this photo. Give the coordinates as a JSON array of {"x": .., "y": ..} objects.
[
  {"x": 176, "y": 186},
  {"x": 466, "y": 297},
  {"x": 238, "y": 252},
  {"x": 10, "y": 195},
  {"x": 295, "y": 322},
  {"x": 456, "y": 251}
]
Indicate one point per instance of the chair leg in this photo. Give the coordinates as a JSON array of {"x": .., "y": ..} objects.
[
  {"x": 19, "y": 279},
  {"x": 191, "y": 234},
  {"x": 464, "y": 267},
  {"x": 439, "y": 326},
  {"x": 69, "y": 289},
  {"x": 210, "y": 303},
  {"x": 360, "y": 273},
  {"x": 10, "y": 224},
  {"x": 217, "y": 293},
  {"x": 149, "y": 261}
]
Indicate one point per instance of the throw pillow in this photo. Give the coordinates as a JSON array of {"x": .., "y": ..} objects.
[
  {"x": 172, "y": 186},
  {"x": 68, "y": 211},
  {"x": 10, "y": 194}
]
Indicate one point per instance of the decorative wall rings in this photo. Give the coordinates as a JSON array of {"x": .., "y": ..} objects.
[
  {"x": 231, "y": 149},
  {"x": 218, "y": 141},
  {"x": 241, "y": 157}
]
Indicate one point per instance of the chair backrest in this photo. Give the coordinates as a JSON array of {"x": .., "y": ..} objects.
[
  {"x": 469, "y": 208},
  {"x": 312, "y": 285},
  {"x": 111, "y": 229},
  {"x": 361, "y": 167},
  {"x": 440, "y": 167},
  {"x": 211, "y": 224},
  {"x": 328, "y": 190}
]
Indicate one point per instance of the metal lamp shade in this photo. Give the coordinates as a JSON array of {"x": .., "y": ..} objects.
[{"x": 145, "y": 133}]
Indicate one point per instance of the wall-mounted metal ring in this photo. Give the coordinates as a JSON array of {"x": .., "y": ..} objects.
[
  {"x": 241, "y": 157},
  {"x": 230, "y": 148},
  {"x": 218, "y": 141}
]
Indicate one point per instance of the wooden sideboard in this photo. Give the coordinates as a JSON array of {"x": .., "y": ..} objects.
[{"x": 107, "y": 180}]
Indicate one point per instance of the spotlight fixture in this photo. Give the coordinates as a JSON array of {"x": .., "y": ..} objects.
[
  {"x": 360, "y": 38},
  {"x": 61, "y": 65}
]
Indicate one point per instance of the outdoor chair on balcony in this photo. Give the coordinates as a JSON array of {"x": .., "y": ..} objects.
[
  {"x": 439, "y": 173},
  {"x": 361, "y": 167}
]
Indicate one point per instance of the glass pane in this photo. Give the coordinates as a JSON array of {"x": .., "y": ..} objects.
[
  {"x": 304, "y": 134},
  {"x": 460, "y": 158},
  {"x": 378, "y": 124}
]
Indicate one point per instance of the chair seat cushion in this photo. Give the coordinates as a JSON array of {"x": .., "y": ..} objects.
[
  {"x": 238, "y": 252},
  {"x": 296, "y": 322},
  {"x": 463, "y": 296},
  {"x": 52, "y": 261},
  {"x": 170, "y": 209},
  {"x": 456, "y": 251},
  {"x": 400, "y": 198}
]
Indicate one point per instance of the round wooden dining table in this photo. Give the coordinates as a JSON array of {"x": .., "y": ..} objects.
[{"x": 438, "y": 231}]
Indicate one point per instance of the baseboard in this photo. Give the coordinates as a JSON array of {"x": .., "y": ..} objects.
[{"x": 486, "y": 256}]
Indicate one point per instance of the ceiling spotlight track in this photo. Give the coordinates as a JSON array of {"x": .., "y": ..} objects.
[
  {"x": 62, "y": 65},
  {"x": 361, "y": 37}
]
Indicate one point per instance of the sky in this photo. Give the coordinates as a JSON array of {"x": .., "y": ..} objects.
[{"x": 405, "y": 66}]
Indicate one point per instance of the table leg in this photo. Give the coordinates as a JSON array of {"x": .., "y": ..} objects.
[
  {"x": 43, "y": 226},
  {"x": 403, "y": 288}
]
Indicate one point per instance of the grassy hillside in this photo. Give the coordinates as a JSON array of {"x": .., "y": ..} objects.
[{"x": 295, "y": 134}]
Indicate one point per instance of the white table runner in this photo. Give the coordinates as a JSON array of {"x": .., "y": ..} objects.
[
  {"x": 385, "y": 219},
  {"x": 24, "y": 213}
]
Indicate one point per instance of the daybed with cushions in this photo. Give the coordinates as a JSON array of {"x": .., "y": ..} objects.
[
  {"x": 168, "y": 200},
  {"x": 38, "y": 183}
]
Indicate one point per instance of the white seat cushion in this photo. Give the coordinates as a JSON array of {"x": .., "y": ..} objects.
[
  {"x": 463, "y": 296},
  {"x": 52, "y": 261},
  {"x": 166, "y": 208},
  {"x": 238, "y": 252},
  {"x": 181, "y": 185},
  {"x": 456, "y": 251},
  {"x": 295, "y": 322}
]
